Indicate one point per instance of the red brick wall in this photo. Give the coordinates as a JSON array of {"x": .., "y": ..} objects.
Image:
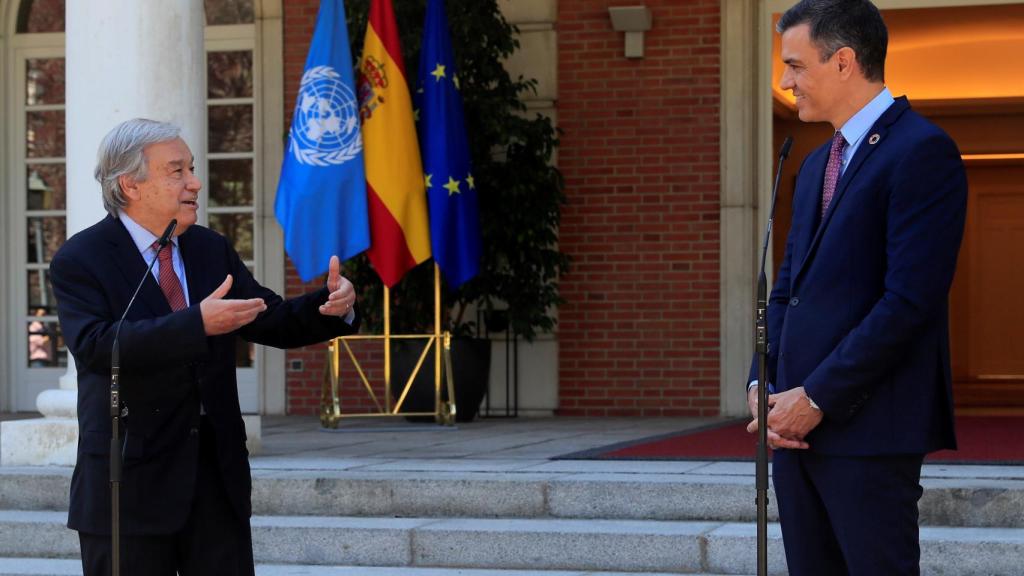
[{"x": 640, "y": 334}]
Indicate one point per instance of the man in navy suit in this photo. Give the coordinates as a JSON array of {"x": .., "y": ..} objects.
[
  {"x": 185, "y": 492},
  {"x": 858, "y": 324}
]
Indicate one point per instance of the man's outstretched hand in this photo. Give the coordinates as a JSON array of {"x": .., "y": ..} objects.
[
  {"x": 342, "y": 294},
  {"x": 221, "y": 316}
]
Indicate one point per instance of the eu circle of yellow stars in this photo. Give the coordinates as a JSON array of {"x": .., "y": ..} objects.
[
  {"x": 439, "y": 72},
  {"x": 453, "y": 185}
]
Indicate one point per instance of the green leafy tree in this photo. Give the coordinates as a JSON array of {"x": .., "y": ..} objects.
[{"x": 520, "y": 192}]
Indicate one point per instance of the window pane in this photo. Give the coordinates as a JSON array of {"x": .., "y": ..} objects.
[
  {"x": 230, "y": 128},
  {"x": 45, "y": 236},
  {"x": 41, "y": 16},
  {"x": 228, "y": 12},
  {"x": 44, "y": 136},
  {"x": 46, "y": 344},
  {"x": 40, "y": 294},
  {"x": 45, "y": 187},
  {"x": 44, "y": 81},
  {"x": 229, "y": 74},
  {"x": 230, "y": 182},
  {"x": 238, "y": 229}
]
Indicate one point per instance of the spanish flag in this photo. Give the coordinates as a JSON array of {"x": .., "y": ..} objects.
[{"x": 395, "y": 188}]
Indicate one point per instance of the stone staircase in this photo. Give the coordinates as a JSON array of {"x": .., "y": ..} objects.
[{"x": 501, "y": 518}]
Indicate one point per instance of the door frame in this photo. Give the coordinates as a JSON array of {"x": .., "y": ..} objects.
[
  {"x": 7, "y": 23},
  {"x": 26, "y": 382}
]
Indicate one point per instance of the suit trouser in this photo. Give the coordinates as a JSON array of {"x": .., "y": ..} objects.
[
  {"x": 214, "y": 541},
  {"x": 848, "y": 515}
]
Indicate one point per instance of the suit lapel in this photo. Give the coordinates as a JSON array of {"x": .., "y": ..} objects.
[
  {"x": 864, "y": 151},
  {"x": 195, "y": 271},
  {"x": 125, "y": 255},
  {"x": 804, "y": 209}
]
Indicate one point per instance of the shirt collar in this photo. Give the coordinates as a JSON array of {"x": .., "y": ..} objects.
[
  {"x": 143, "y": 238},
  {"x": 858, "y": 125}
]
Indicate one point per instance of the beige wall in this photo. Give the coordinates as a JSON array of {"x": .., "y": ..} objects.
[{"x": 537, "y": 57}]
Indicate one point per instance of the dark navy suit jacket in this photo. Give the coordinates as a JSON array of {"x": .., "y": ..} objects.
[
  {"x": 168, "y": 365},
  {"x": 859, "y": 311}
]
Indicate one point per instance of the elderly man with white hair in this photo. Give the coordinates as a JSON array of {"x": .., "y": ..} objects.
[{"x": 185, "y": 490}]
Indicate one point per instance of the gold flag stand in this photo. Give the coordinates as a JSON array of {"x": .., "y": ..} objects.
[{"x": 444, "y": 411}]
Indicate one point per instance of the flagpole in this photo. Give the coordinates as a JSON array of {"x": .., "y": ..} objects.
[
  {"x": 437, "y": 340},
  {"x": 387, "y": 348}
]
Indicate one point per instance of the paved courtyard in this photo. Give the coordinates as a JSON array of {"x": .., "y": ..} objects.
[{"x": 505, "y": 445}]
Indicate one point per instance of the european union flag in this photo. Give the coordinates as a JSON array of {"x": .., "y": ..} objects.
[
  {"x": 321, "y": 198},
  {"x": 451, "y": 190}
]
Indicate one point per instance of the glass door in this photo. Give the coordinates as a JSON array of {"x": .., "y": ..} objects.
[{"x": 38, "y": 204}]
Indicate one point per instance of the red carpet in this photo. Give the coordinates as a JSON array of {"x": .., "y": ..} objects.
[{"x": 982, "y": 440}]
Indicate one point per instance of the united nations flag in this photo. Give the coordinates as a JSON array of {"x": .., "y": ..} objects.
[
  {"x": 451, "y": 189},
  {"x": 321, "y": 198}
]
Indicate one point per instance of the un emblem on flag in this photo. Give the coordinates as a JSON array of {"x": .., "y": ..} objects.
[{"x": 325, "y": 130}]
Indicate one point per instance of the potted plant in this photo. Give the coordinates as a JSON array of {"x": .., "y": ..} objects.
[{"x": 520, "y": 195}]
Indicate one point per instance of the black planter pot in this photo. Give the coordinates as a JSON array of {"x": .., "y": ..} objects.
[{"x": 471, "y": 365}]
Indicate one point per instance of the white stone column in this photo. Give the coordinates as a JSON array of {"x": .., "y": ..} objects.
[
  {"x": 124, "y": 59},
  {"x": 746, "y": 175},
  {"x": 537, "y": 57}
]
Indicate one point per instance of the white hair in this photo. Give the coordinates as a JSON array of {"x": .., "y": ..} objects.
[{"x": 121, "y": 153}]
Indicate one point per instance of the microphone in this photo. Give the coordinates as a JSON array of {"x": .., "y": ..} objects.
[
  {"x": 784, "y": 153},
  {"x": 166, "y": 236},
  {"x": 161, "y": 243},
  {"x": 116, "y": 413},
  {"x": 761, "y": 345}
]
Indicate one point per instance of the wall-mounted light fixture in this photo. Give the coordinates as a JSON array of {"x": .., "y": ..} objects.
[{"x": 634, "y": 21}]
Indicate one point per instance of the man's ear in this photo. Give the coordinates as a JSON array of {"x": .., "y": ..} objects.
[
  {"x": 128, "y": 186},
  {"x": 846, "y": 61}
]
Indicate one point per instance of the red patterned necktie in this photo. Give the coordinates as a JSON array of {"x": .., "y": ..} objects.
[
  {"x": 169, "y": 282},
  {"x": 835, "y": 161}
]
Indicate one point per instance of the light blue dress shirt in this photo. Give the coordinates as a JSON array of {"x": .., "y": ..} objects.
[
  {"x": 856, "y": 128},
  {"x": 144, "y": 242}
]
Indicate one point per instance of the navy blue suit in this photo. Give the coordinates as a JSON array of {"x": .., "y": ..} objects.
[
  {"x": 859, "y": 317},
  {"x": 168, "y": 366}
]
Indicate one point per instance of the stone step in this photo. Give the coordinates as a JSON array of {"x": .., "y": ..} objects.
[
  {"x": 531, "y": 545},
  {"x": 57, "y": 567},
  {"x": 965, "y": 501}
]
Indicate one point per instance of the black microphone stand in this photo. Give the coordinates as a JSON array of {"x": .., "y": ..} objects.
[
  {"x": 761, "y": 347},
  {"x": 116, "y": 413}
]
